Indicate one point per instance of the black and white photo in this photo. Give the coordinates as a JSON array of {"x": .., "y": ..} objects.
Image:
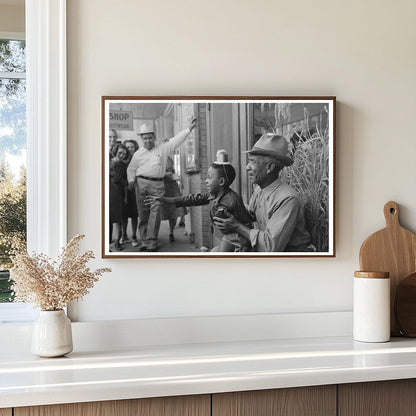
[{"x": 218, "y": 176}]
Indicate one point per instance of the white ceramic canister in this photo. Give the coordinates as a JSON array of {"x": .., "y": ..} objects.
[{"x": 371, "y": 309}]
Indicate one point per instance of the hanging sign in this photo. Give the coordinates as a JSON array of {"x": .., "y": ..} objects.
[{"x": 121, "y": 120}]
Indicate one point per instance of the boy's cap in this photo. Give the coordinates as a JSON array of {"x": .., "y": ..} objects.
[
  {"x": 273, "y": 146},
  {"x": 222, "y": 158}
]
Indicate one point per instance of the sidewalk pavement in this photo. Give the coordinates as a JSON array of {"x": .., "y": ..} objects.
[{"x": 181, "y": 244}]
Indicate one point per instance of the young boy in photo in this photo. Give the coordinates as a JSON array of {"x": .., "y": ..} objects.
[{"x": 223, "y": 202}]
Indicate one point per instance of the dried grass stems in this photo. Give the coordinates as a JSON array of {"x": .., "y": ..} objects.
[
  {"x": 53, "y": 285},
  {"x": 309, "y": 175}
]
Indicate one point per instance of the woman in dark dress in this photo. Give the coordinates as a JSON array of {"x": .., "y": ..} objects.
[
  {"x": 131, "y": 205},
  {"x": 118, "y": 192}
]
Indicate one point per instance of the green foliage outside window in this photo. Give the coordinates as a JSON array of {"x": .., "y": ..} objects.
[
  {"x": 12, "y": 147},
  {"x": 12, "y": 224},
  {"x": 5, "y": 292}
]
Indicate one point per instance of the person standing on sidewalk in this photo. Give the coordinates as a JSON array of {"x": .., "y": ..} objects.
[
  {"x": 169, "y": 211},
  {"x": 131, "y": 205},
  {"x": 145, "y": 173}
]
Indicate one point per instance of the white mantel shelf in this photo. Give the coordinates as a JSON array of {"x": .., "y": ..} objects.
[{"x": 167, "y": 370}]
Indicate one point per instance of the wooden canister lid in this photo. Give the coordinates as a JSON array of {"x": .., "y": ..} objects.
[{"x": 372, "y": 275}]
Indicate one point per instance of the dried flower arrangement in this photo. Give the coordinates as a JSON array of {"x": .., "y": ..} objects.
[{"x": 53, "y": 285}]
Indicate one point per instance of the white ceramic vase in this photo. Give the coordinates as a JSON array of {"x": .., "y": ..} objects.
[{"x": 52, "y": 334}]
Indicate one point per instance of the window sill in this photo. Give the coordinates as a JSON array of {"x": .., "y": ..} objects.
[{"x": 16, "y": 313}]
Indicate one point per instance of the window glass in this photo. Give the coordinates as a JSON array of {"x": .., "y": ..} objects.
[
  {"x": 12, "y": 56},
  {"x": 12, "y": 156}
]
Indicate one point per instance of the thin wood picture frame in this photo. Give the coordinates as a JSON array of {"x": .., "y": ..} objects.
[{"x": 223, "y": 176}]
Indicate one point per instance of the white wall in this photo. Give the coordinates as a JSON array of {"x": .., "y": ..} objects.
[{"x": 363, "y": 52}]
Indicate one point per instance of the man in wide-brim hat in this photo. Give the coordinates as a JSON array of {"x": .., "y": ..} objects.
[
  {"x": 145, "y": 174},
  {"x": 276, "y": 208}
]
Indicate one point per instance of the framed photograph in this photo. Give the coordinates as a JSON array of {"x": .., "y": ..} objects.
[{"x": 218, "y": 177}]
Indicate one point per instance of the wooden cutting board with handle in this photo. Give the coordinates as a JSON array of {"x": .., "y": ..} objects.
[{"x": 393, "y": 250}]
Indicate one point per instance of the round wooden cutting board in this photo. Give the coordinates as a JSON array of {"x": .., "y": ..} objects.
[{"x": 393, "y": 250}]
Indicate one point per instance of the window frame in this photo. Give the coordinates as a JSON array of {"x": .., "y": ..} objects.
[{"x": 46, "y": 121}]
